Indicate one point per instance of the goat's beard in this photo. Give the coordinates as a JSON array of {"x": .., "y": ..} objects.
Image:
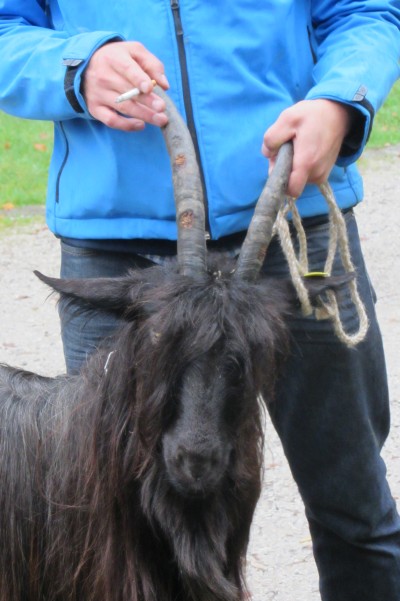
[{"x": 205, "y": 535}]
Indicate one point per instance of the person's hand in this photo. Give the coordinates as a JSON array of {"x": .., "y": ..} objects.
[
  {"x": 116, "y": 68},
  {"x": 317, "y": 129}
]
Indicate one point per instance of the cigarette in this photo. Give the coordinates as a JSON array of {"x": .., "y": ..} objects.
[{"x": 131, "y": 93}]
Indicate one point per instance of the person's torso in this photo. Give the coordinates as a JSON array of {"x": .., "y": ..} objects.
[{"x": 233, "y": 67}]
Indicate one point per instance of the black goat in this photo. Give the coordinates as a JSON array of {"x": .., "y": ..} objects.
[{"x": 137, "y": 480}]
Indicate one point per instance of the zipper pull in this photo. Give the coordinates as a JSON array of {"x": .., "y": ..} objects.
[{"x": 177, "y": 17}]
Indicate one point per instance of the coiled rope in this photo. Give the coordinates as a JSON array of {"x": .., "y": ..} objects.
[{"x": 298, "y": 265}]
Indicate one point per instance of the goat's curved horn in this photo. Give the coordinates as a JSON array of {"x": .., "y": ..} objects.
[
  {"x": 188, "y": 191},
  {"x": 259, "y": 234}
]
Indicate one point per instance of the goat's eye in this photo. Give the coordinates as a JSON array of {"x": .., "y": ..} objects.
[
  {"x": 234, "y": 372},
  {"x": 234, "y": 391}
]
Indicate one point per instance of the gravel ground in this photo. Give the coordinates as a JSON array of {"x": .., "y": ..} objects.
[{"x": 281, "y": 566}]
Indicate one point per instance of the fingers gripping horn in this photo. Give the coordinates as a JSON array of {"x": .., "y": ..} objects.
[
  {"x": 259, "y": 234},
  {"x": 188, "y": 191}
]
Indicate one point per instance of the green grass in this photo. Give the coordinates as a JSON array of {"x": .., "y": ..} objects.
[
  {"x": 386, "y": 130},
  {"x": 25, "y": 149}
]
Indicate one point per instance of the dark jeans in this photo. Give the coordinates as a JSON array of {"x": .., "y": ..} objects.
[
  {"x": 332, "y": 414},
  {"x": 82, "y": 333}
]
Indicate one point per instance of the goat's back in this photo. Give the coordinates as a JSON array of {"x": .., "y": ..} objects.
[{"x": 33, "y": 414}]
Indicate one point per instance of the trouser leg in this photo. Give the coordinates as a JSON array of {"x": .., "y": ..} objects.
[{"x": 331, "y": 412}]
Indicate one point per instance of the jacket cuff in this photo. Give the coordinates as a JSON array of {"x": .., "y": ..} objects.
[
  {"x": 75, "y": 66},
  {"x": 72, "y": 65},
  {"x": 363, "y": 117}
]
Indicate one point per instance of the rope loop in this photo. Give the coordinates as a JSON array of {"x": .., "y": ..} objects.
[{"x": 298, "y": 265}]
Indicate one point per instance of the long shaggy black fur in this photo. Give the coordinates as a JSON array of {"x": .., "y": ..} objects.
[{"x": 87, "y": 509}]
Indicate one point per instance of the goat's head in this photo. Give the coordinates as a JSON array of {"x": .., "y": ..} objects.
[
  {"x": 200, "y": 351},
  {"x": 205, "y": 342}
]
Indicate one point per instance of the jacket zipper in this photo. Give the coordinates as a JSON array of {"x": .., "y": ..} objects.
[
  {"x": 188, "y": 102},
  {"x": 63, "y": 163}
]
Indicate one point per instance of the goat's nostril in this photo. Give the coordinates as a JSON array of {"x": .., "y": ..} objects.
[
  {"x": 214, "y": 459},
  {"x": 179, "y": 458}
]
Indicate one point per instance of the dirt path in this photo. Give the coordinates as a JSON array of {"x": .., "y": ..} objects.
[{"x": 281, "y": 567}]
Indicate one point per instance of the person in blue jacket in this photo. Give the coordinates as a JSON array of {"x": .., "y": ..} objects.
[{"x": 244, "y": 75}]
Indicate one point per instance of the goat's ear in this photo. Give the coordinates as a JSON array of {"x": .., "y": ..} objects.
[
  {"x": 109, "y": 294},
  {"x": 317, "y": 285}
]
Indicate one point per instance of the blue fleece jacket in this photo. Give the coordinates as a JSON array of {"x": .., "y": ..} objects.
[{"x": 245, "y": 62}]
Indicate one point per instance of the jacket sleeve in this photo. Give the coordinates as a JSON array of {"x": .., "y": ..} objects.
[
  {"x": 38, "y": 63},
  {"x": 357, "y": 49}
]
